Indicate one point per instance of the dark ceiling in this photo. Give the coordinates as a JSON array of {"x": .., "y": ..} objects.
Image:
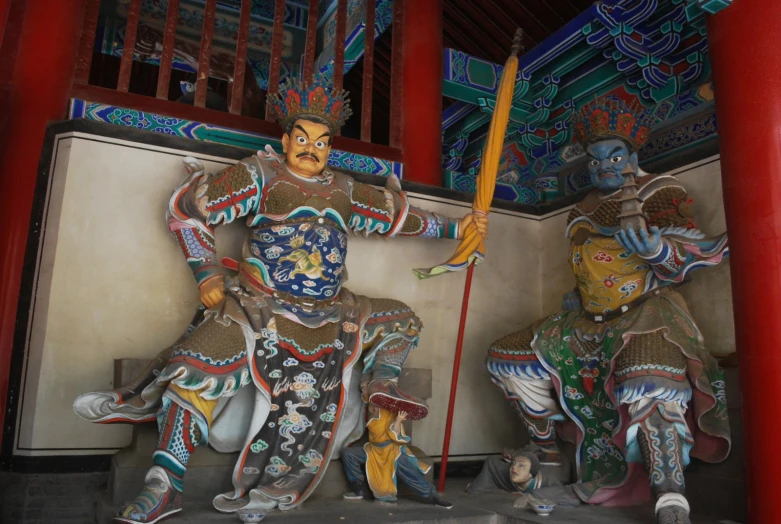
[
  {"x": 485, "y": 28},
  {"x": 481, "y": 28}
]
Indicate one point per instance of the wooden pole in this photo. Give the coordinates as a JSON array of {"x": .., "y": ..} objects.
[{"x": 451, "y": 405}]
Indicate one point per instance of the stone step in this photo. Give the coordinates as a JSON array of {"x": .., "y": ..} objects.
[
  {"x": 492, "y": 508},
  {"x": 208, "y": 473}
]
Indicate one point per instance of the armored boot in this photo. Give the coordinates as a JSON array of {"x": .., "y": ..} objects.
[
  {"x": 180, "y": 432},
  {"x": 672, "y": 508},
  {"x": 158, "y": 500},
  {"x": 662, "y": 450}
]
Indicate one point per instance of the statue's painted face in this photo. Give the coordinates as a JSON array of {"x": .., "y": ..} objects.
[
  {"x": 307, "y": 147},
  {"x": 606, "y": 160},
  {"x": 520, "y": 470}
]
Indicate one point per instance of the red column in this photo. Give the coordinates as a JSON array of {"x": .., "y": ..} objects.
[
  {"x": 746, "y": 60},
  {"x": 41, "y": 82},
  {"x": 5, "y": 6},
  {"x": 421, "y": 105}
]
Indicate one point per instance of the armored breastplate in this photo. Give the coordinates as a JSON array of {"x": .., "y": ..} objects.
[
  {"x": 286, "y": 193},
  {"x": 298, "y": 243},
  {"x": 302, "y": 257}
]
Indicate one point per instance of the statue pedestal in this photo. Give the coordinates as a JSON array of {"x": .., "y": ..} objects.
[{"x": 209, "y": 472}]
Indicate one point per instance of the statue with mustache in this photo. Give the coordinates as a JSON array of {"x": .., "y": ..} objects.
[{"x": 272, "y": 363}]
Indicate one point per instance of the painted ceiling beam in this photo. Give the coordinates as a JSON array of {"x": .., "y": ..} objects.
[
  {"x": 454, "y": 113},
  {"x": 653, "y": 49}
]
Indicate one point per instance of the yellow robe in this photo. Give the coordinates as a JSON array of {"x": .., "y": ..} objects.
[
  {"x": 383, "y": 450},
  {"x": 607, "y": 277}
]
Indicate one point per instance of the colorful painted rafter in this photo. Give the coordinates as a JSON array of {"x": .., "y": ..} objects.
[
  {"x": 652, "y": 50},
  {"x": 210, "y": 133}
]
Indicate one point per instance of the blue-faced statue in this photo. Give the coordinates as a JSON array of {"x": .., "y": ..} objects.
[{"x": 607, "y": 158}]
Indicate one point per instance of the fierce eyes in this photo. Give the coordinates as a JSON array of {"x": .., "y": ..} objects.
[
  {"x": 614, "y": 160},
  {"x": 320, "y": 144}
]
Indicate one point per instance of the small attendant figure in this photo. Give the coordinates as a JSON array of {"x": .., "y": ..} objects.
[
  {"x": 385, "y": 458},
  {"x": 521, "y": 474}
]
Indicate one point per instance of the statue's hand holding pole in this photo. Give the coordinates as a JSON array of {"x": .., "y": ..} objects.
[{"x": 480, "y": 221}]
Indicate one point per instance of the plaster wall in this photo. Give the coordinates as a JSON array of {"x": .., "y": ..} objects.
[{"x": 112, "y": 283}]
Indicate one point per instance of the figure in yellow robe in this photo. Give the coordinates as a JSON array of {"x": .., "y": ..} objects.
[{"x": 385, "y": 458}]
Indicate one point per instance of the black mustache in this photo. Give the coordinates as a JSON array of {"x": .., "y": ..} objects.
[{"x": 310, "y": 155}]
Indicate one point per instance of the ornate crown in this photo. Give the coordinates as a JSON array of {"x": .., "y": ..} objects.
[
  {"x": 611, "y": 116},
  {"x": 295, "y": 100}
]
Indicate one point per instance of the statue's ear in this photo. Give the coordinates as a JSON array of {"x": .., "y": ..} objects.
[{"x": 285, "y": 142}]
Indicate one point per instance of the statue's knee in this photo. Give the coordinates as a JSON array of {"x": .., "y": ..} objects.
[
  {"x": 653, "y": 388},
  {"x": 389, "y": 306},
  {"x": 651, "y": 368},
  {"x": 517, "y": 342}
]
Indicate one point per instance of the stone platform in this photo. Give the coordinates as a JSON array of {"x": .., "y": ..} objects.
[
  {"x": 208, "y": 472},
  {"x": 712, "y": 489},
  {"x": 494, "y": 508}
]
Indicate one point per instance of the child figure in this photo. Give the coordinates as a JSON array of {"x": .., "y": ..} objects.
[{"x": 384, "y": 459}]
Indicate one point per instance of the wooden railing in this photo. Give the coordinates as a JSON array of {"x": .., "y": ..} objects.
[{"x": 123, "y": 96}]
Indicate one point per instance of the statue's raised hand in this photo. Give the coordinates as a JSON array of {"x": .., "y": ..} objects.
[
  {"x": 645, "y": 243},
  {"x": 478, "y": 219},
  {"x": 571, "y": 301},
  {"x": 212, "y": 291}
]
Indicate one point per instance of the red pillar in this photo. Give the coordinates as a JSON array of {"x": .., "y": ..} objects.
[
  {"x": 42, "y": 75},
  {"x": 5, "y": 6},
  {"x": 421, "y": 106},
  {"x": 746, "y": 60}
]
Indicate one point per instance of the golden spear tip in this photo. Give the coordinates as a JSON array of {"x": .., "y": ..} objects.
[{"x": 517, "y": 42}]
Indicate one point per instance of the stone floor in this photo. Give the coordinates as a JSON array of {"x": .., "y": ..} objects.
[
  {"x": 71, "y": 499},
  {"x": 486, "y": 509}
]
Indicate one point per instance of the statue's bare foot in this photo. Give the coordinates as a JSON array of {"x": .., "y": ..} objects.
[
  {"x": 156, "y": 501},
  {"x": 673, "y": 515}
]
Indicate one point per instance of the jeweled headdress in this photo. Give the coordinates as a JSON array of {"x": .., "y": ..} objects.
[
  {"x": 295, "y": 101},
  {"x": 612, "y": 117}
]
